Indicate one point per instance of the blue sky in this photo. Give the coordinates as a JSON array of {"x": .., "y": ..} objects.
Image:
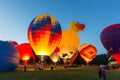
[{"x": 16, "y": 15}]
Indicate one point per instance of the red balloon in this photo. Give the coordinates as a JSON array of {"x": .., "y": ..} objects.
[
  {"x": 88, "y": 52},
  {"x": 25, "y": 51}
]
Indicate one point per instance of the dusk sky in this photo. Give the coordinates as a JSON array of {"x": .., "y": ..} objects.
[{"x": 16, "y": 15}]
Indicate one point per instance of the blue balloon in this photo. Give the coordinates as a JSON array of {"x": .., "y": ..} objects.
[{"x": 9, "y": 56}]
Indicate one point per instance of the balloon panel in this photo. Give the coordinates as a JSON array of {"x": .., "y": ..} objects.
[
  {"x": 44, "y": 34},
  {"x": 56, "y": 50},
  {"x": 69, "y": 43},
  {"x": 88, "y": 52},
  {"x": 9, "y": 58},
  {"x": 73, "y": 57},
  {"x": 110, "y": 38}
]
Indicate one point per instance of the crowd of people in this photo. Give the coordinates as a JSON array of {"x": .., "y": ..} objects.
[{"x": 40, "y": 66}]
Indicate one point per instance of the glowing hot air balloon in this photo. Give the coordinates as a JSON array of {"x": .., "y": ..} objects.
[
  {"x": 44, "y": 34},
  {"x": 110, "y": 38},
  {"x": 68, "y": 45},
  {"x": 87, "y": 52},
  {"x": 26, "y": 53},
  {"x": 70, "y": 41},
  {"x": 54, "y": 56}
]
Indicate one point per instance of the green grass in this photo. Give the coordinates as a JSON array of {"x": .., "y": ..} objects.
[{"x": 79, "y": 73}]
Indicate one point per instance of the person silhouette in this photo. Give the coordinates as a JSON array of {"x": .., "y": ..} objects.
[{"x": 101, "y": 73}]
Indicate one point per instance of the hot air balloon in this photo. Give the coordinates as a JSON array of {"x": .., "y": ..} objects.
[
  {"x": 76, "y": 26},
  {"x": 87, "y": 52},
  {"x": 110, "y": 38},
  {"x": 44, "y": 34},
  {"x": 26, "y": 53},
  {"x": 9, "y": 56},
  {"x": 68, "y": 45},
  {"x": 54, "y": 56},
  {"x": 70, "y": 41}
]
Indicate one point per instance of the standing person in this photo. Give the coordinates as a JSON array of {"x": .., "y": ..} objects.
[
  {"x": 101, "y": 73},
  {"x": 51, "y": 67}
]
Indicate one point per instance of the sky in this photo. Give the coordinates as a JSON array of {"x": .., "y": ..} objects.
[{"x": 16, "y": 15}]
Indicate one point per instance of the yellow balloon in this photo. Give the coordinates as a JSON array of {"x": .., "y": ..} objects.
[
  {"x": 69, "y": 44},
  {"x": 76, "y": 26}
]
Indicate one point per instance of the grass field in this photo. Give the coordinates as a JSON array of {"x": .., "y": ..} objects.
[{"x": 79, "y": 73}]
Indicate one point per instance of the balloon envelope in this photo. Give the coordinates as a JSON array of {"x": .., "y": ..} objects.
[
  {"x": 44, "y": 34},
  {"x": 25, "y": 51},
  {"x": 87, "y": 52},
  {"x": 110, "y": 38},
  {"x": 55, "y": 56},
  {"x": 69, "y": 44},
  {"x": 9, "y": 56}
]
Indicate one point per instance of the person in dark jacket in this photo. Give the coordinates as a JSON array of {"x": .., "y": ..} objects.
[{"x": 101, "y": 73}]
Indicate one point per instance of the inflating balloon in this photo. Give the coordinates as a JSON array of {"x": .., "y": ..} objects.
[
  {"x": 76, "y": 26},
  {"x": 9, "y": 56},
  {"x": 110, "y": 38},
  {"x": 70, "y": 41},
  {"x": 54, "y": 56},
  {"x": 25, "y": 51},
  {"x": 87, "y": 52},
  {"x": 44, "y": 34}
]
